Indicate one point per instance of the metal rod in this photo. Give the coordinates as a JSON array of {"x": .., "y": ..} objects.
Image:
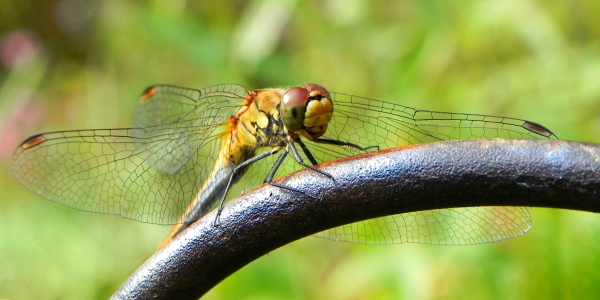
[{"x": 540, "y": 173}]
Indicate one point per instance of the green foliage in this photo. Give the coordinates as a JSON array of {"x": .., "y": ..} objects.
[{"x": 535, "y": 60}]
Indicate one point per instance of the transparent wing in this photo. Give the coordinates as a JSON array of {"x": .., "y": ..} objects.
[
  {"x": 149, "y": 173},
  {"x": 178, "y": 121},
  {"x": 456, "y": 226},
  {"x": 368, "y": 122}
]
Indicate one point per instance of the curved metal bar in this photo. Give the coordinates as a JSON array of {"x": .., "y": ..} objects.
[{"x": 540, "y": 173}]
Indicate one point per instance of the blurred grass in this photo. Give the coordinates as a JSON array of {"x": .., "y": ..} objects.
[{"x": 76, "y": 65}]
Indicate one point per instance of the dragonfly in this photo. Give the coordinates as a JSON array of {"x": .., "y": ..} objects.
[{"x": 187, "y": 148}]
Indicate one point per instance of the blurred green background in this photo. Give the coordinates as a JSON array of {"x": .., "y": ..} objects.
[{"x": 68, "y": 64}]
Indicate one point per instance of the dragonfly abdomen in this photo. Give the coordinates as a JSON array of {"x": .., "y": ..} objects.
[{"x": 217, "y": 184}]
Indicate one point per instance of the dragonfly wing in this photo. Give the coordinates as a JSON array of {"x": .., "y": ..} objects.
[
  {"x": 368, "y": 122},
  {"x": 149, "y": 174},
  {"x": 104, "y": 171},
  {"x": 172, "y": 116},
  {"x": 456, "y": 226}
]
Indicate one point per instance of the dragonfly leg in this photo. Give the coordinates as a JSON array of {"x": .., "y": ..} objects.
[
  {"x": 307, "y": 152},
  {"x": 301, "y": 162},
  {"x": 237, "y": 169},
  {"x": 269, "y": 179},
  {"x": 278, "y": 163},
  {"x": 342, "y": 143}
]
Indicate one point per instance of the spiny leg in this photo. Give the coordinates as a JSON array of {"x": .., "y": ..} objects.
[
  {"x": 237, "y": 169},
  {"x": 342, "y": 143},
  {"x": 276, "y": 166},
  {"x": 307, "y": 152},
  {"x": 299, "y": 160},
  {"x": 269, "y": 179}
]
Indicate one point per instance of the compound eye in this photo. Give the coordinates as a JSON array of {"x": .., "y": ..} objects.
[
  {"x": 295, "y": 96},
  {"x": 316, "y": 90},
  {"x": 293, "y": 108}
]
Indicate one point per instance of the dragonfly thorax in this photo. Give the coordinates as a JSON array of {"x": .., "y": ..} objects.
[{"x": 260, "y": 123}]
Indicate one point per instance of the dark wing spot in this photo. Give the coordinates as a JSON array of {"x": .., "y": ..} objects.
[
  {"x": 33, "y": 141},
  {"x": 149, "y": 92},
  {"x": 537, "y": 129}
]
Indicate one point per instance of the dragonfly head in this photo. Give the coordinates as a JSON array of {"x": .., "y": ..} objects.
[{"x": 307, "y": 110}]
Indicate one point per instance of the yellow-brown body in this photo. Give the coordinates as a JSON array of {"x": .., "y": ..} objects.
[{"x": 256, "y": 124}]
